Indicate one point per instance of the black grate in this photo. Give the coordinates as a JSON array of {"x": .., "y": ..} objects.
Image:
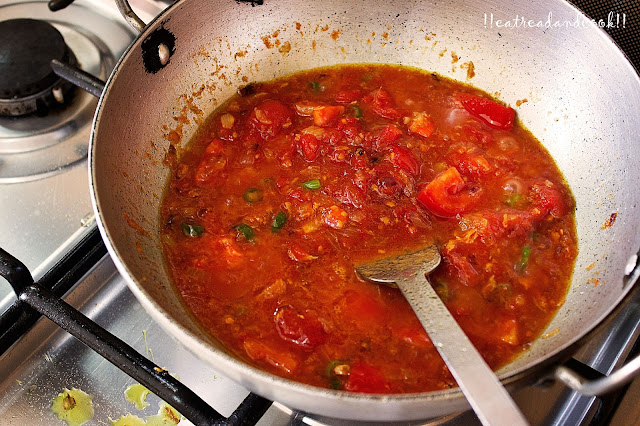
[{"x": 625, "y": 17}]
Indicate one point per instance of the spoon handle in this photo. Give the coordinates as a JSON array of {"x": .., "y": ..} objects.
[{"x": 490, "y": 401}]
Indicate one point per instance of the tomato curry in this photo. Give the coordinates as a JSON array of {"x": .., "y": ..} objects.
[{"x": 293, "y": 181}]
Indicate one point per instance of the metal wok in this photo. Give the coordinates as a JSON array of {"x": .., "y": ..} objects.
[{"x": 582, "y": 99}]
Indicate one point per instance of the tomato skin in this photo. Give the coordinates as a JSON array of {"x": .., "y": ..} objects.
[
  {"x": 456, "y": 256},
  {"x": 404, "y": 159},
  {"x": 326, "y": 115},
  {"x": 299, "y": 254},
  {"x": 212, "y": 163},
  {"x": 422, "y": 125},
  {"x": 471, "y": 161},
  {"x": 365, "y": 378},
  {"x": 304, "y": 331},
  {"x": 415, "y": 336},
  {"x": 258, "y": 351},
  {"x": 310, "y": 146},
  {"x": 495, "y": 115},
  {"x": 350, "y": 130},
  {"x": 389, "y": 134},
  {"x": 383, "y": 105},
  {"x": 270, "y": 117},
  {"x": 348, "y": 96},
  {"x": 549, "y": 199},
  {"x": 443, "y": 196}
]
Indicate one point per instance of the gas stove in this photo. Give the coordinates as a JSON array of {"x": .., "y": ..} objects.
[{"x": 48, "y": 224}]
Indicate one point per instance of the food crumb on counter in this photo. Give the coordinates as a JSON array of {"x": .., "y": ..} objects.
[
  {"x": 127, "y": 420},
  {"x": 73, "y": 406},
  {"x": 137, "y": 395}
]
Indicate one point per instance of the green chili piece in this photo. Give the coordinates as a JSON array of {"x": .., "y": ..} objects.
[
  {"x": 253, "y": 195},
  {"x": 246, "y": 231},
  {"x": 192, "y": 230},
  {"x": 315, "y": 86},
  {"x": 330, "y": 367},
  {"x": 334, "y": 381},
  {"x": 312, "y": 184},
  {"x": 278, "y": 221},
  {"x": 524, "y": 259},
  {"x": 504, "y": 287},
  {"x": 354, "y": 111},
  {"x": 442, "y": 289},
  {"x": 512, "y": 199}
]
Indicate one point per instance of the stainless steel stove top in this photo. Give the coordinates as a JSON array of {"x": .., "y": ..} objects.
[
  {"x": 46, "y": 210},
  {"x": 44, "y": 195}
]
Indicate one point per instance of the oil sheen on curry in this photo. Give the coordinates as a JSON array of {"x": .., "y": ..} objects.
[{"x": 294, "y": 181}]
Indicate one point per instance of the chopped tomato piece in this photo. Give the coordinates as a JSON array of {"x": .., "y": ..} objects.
[
  {"x": 471, "y": 161},
  {"x": 326, "y": 115},
  {"x": 387, "y": 183},
  {"x": 457, "y": 256},
  {"x": 305, "y": 108},
  {"x": 404, "y": 159},
  {"x": 299, "y": 254},
  {"x": 444, "y": 195},
  {"x": 303, "y": 330},
  {"x": 508, "y": 331},
  {"x": 422, "y": 125},
  {"x": 351, "y": 130},
  {"x": 231, "y": 252},
  {"x": 212, "y": 163},
  {"x": 335, "y": 217},
  {"x": 215, "y": 147},
  {"x": 389, "y": 134},
  {"x": 490, "y": 226},
  {"x": 549, "y": 199},
  {"x": 310, "y": 146},
  {"x": 383, "y": 105},
  {"x": 347, "y": 192},
  {"x": 270, "y": 117},
  {"x": 494, "y": 114},
  {"x": 282, "y": 182},
  {"x": 477, "y": 133},
  {"x": 348, "y": 96},
  {"x": 365, "y": 378},
  {"x": 259, "y": 351},
  {"x": 415, "y": 336}
]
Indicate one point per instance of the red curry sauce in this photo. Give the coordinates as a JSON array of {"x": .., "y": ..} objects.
[{"x": 294, "y": 181}]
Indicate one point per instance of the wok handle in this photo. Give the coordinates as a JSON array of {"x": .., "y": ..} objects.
[
  {"x": 120, "y": 354},
  {"x": 130, "y": 16},
  {"x": 602, "y": 385}
]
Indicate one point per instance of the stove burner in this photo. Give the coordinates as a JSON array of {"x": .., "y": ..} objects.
[{"x": 28, "y": 83}]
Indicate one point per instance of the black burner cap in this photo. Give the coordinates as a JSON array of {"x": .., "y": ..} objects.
[{"x": 27, "y": 47}]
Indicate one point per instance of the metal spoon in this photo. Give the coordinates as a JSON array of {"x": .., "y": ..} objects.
[{"x": 408, "y": 272}]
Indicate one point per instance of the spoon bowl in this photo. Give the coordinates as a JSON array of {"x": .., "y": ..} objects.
[{"x": 408, "y": 271}]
